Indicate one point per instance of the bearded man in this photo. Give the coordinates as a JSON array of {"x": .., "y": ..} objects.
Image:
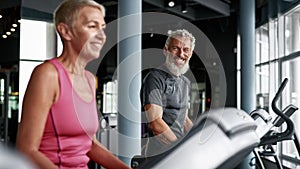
[{"x": 165, "y": 94}]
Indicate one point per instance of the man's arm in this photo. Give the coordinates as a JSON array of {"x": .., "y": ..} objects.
[
  {"x": 188, "y": 124},
  {"x": 158, "y": 126}
]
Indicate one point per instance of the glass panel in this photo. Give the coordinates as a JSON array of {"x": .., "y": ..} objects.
[
  {"x": 292, "y": 32},
  {"x": 291, "y": 95},
  {"x": 110, "y": 93},
  {"x": 41, "y": 36},
  {"x": 257, "y": 46},
  {"x": 265, "y": 44},
  {"x": 262, "y": 79},
  {"x": 272, "y": 86},
  {"x": 273, "y": 34},
  {"x": 9, "y": 97},
  {"x": 262, "y": 44},
  {"x": 262, "y": 87},
  {"x": 281, "y": 39}
]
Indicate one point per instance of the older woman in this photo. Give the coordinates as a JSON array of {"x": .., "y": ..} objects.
[{"x": 59, "y": 116}]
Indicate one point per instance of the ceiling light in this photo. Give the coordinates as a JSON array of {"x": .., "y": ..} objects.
[
  {"x": 12, "y": 29},
  {"x": 4, "y": 36},
  {"x": 8, "y": 33},
  {"x": 184, "y": 11},
  {"x": 171, "y": 4},
  {"x": 183, "y": 6},
  {"x": 14, "y": 25},
  {"x": 0, "y": 16}
]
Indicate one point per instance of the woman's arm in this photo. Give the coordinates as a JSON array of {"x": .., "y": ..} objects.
[
  {"x": 40, "y": 94},
  {"x": 103, "y": 157}
]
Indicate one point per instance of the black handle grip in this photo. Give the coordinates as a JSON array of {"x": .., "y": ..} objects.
[{"x": 289, "y": 131}]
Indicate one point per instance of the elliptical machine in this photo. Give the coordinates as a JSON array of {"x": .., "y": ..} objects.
[
  {"x": 222, "y": 138},
  {"x": 268, "y": 130}
]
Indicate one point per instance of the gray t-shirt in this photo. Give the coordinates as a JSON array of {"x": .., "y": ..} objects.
[{"x": 172, "y": 93}]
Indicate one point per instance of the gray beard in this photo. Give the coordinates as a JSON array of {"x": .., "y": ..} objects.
[{"x": 173, "y": 68}]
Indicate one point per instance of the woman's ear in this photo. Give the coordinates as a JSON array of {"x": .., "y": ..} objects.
[{"x": 64, "y": 31}]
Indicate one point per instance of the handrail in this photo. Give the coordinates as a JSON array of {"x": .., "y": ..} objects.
[{"x": 290, "y": 129}]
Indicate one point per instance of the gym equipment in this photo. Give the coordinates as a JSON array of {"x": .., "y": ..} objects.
[
  {"x": 11, "y": 158},
  {"x": 268, "y": 130},
  {"x": 222, "y": 138}
]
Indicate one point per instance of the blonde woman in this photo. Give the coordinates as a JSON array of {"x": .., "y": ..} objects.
[{"x": 59, "y": 116}]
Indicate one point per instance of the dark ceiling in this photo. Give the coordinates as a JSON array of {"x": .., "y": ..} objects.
[{"x": 195, "y": 9}]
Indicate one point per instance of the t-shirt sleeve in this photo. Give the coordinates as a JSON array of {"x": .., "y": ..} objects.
[{"x": 152, "y": 89}]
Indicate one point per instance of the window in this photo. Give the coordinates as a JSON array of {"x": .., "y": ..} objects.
[
  {"x": 262, "y": 44},
  {"x": 292, "y": 31},
  {"x": 291, "y": 95},
  {"x": 278, "y": 57},
  {"x": 37, "y": 43},
  {"x": 262, "y": 68}
]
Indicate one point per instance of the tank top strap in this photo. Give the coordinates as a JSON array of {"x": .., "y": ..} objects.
[
  {"x": 58, "y": 66},
  {"x": 90, "y": 79}
]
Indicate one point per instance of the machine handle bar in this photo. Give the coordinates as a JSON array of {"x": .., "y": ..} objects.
[{"x": 289, "y": 131}]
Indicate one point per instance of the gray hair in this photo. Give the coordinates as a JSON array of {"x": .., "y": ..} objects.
[
  {"x": 181, "y": 33},
  {"x": 68, "y": 10}
]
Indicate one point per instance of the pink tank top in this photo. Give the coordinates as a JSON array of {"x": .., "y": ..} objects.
[{"x": 70, "y": 125}]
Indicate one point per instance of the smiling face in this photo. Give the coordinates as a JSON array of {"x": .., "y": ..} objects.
[
  {"x": 178, "y": 53},
  {"x": 88, "y": 33}
]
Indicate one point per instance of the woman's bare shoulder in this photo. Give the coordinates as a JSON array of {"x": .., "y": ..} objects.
[
  {"x": 44, "y": 81},
  {"x": 45, "y": 70}
]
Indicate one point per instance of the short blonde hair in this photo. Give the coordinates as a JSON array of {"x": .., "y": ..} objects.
[{"x": 68, "y": 10}]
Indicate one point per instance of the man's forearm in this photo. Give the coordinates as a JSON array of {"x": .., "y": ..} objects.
[
  {"x": 188, "y": 124},
  {"x": 162, "y": 131}
]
